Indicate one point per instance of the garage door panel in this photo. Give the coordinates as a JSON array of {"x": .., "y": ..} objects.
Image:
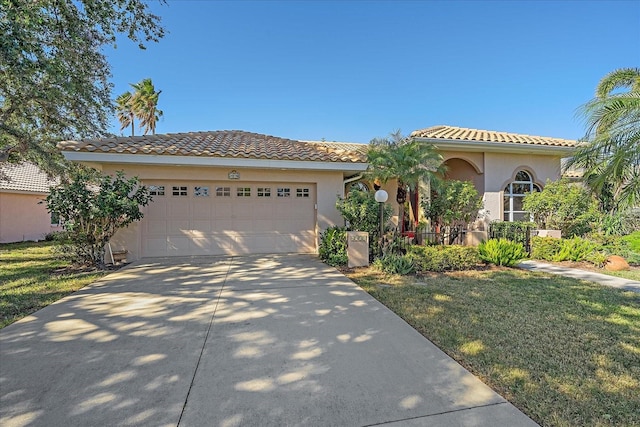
[
  {"x": 244, "y": 210},
  {"x": 201, "y": 246},
  {"x": 262, "y": 225},
  {"x": 228, "y": 223},
  {"x": 201, "y": 209},
  {"x": 157, "y": 209},
  {"x": 221, "y": 208},
  {"x": 157, "y": 226},
  {"x": 243, "y": 225},
  {"x": 180, "y": 208},
  {"x": 223, "y": 224},
  {"x": 202, "y": 226},
  {"x": 222, "y": 243},
  {"x": 155, "y": 246},
  {"x": 178, "y": 226},
  {"x": 178, "y": 245}
]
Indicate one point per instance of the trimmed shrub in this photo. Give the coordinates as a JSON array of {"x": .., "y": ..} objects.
[
  {"x": 361, "y": 212},
  {"x": 598, "y": 258},
  {"x": 333, "y": 246},
  {"x": 444, "y": 258},
  {"x": 627, "y": 247},
  {"x": 502, "y": 252},
  {"x": 576, "y": 249},
  {"x": 395, "y": 264},
  {"x": 545, "y": 248},
  {"x": 595, "y": 249}
]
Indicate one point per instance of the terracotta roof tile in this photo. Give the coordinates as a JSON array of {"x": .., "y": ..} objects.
[
  {"x": 24, "y": 177},
  {"x": 232, "y": 143},
  {"x": 465, "y": 134}
]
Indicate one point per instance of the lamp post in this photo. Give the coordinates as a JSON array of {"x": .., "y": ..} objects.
[{"x": 381, "y": 196}]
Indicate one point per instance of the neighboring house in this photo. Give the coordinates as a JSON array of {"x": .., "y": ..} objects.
[
  {"x": 226, "y": 192},
  {"x": 235, "y": 192},
  {"x": 23, "y": 216},
  {"x": 503, "y": 166}
]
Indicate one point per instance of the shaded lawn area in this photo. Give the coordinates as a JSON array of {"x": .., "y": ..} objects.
[
  {"x": 566, "y": 352},
  {"x": 32, "y": 276}
]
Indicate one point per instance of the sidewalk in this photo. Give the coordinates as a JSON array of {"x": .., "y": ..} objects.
[{"x": 603, "y": 279}]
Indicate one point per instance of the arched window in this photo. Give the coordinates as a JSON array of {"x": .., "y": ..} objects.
[
  {"x": 514, "y": 192},
  {"x": 359, "y": 185}
]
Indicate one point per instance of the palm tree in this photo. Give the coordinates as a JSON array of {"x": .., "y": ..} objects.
[
  {"x": 144, "y": 103},
  {"x": 407, "y": 160},
  {"x": 124, "y": 111},
  {"x": 610, "y": 158}
]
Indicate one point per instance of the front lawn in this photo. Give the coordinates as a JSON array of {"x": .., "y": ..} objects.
[
  {"x": 632, "y": 274},
  {"x": 564, "y": 351},
  {"x": 32, "y": 276}
]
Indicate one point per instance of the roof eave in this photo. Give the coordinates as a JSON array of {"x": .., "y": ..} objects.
[
  {"x": 148, "y": 159},
  {"x": 496, "y": 147},
  {"x": 29, "y": 192}
]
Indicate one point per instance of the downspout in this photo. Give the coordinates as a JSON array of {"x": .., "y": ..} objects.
[{"x": 352, "y": 179}]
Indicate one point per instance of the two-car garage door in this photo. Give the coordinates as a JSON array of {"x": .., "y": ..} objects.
[{"x": 216, "y": 218}]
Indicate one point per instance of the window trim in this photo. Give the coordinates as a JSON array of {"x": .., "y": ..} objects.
[
  {"x": 508, "y": 211},
  {"x": 179, "y": 191}
]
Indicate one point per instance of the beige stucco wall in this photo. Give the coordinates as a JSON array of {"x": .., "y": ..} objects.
[
  {"x": 476, "y": 159},
  {"x": 462, "y": 170},
  {"x": 491, "y": 172},
  {"x": 329, "y": 186},
  {"x": 22, "y": 218},
  {"x": 500, "y": 169}
]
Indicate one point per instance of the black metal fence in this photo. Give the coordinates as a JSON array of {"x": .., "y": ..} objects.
[{"x": 517, "y": 232}]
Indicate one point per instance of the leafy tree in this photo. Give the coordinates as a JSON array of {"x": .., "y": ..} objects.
[
  {"x": 93, "y": 207},
  {"x": 405, "y": 159},
  {"x": 54, "y": 83},
  {"x": 564, "y": 206},
  {"x": 144, "y": 105},
  {"x": 362, "y": 213},
  {"x": 453, "y": 205},
  {"x": 610, "y": 158}
]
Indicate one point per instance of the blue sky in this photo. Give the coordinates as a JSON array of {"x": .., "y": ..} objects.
[{"x": 356, "y": 70}]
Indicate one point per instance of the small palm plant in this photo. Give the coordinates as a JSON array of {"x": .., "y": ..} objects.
[{"x": 502, "y": 252}]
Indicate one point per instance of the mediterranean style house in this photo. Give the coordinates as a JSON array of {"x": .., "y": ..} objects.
[
  {"x": 503, "y": 166},
  {"x": 236, "y": 192}
]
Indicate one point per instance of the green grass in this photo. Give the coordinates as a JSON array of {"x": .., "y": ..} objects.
[
  {"x": 633, "y": 274},
  {"x": 29, "y": 281},
  {"x": 566, "y": 352},
  {"x": 634, "y": 241}
]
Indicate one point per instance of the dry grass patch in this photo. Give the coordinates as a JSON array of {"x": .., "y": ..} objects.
[{"x": 566, "y": 352}]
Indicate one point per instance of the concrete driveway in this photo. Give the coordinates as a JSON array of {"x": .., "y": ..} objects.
[{"x": 272, "y": 340}]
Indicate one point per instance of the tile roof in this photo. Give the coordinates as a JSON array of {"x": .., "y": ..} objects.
[
  {"x": 465, "y": 134},
  {"x": 226, "y": 143},
  {"x": 24, "y": 177}
]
